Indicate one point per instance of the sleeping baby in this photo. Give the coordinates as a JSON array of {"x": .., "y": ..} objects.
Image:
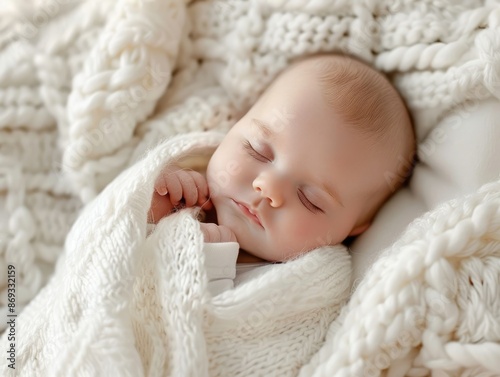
[{"x": 308, "y": 165}]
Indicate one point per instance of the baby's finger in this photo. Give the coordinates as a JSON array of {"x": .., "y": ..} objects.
[
  {"x": 160, "y": 207},
  {"x": 174, "y": 189},
  {"x": 207, "y": 204},
  {"x": 189, "y": 190},
  {"x": 161, "y": 184},
  {"x": 162, "y": 180},
  {"x": 226, "y": 234},
  {"x": 210, "y": 232},
  {"x": 201, "y": 184},
  {"x": 205, "y": 231}
]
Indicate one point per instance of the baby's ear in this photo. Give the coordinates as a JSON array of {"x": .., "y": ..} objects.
[{"x": 359, "y": 229}]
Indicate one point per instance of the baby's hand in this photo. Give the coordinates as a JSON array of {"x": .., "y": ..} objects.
[
  {"x": 177, "y": 188},
  {"x": 217, "y": 233}
]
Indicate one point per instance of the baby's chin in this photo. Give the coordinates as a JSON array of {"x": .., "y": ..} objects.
[
  {"x": 246, "y": 242},
  {"x": 253, "y": 242}
]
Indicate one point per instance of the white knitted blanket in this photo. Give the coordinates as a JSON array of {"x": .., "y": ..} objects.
[
  {"x": 121, "y": 304},
  {"x": 86, "y": 88}
]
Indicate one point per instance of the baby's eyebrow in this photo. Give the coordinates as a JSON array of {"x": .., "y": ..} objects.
[
  {"x": 331, "y": 192},
  {"x": 264, "y": 128}
]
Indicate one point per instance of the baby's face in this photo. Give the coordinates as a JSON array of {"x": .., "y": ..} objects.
[{"x": 290, "y": 176}]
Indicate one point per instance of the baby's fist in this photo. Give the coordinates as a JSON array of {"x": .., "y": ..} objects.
[{"x": 217, "y": 233}]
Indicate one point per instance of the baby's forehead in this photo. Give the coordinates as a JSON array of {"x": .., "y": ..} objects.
[
  {"x": 352, "y": 90},
  {"x": 345, "y": 82}
]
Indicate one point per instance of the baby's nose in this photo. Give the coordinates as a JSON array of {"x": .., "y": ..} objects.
[{"x": 269, "y": 189}]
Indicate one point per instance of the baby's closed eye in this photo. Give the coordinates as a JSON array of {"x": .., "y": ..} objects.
[
  {"x": 263, "y": 156},
  {"x": 307, "y": 203}
]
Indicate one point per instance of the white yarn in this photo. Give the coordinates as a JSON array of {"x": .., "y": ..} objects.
[
  {"x": 88, "y": 87},
  {"x": 435, "y": 289}
]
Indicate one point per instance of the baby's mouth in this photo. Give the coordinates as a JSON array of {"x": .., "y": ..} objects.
[{"x": 252, "y": 215}]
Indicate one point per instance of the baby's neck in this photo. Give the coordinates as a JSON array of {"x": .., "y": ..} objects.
[{"x": 243, "y": 256}]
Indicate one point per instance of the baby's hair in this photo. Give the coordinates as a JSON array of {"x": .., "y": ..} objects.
[
  {"x": 361, "y": 95},
  {"x": 365, "y": 99}
]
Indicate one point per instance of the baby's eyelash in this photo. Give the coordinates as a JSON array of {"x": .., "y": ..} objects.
[
  {"x": 252, "y": 152},
  {"x": 311, "y": 207}
]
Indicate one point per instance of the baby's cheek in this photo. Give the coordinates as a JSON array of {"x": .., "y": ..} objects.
[
  {"x": 311, "y": 234},
  {"x": 301, "y": 231},
  {"x": 222, "y": 181}
]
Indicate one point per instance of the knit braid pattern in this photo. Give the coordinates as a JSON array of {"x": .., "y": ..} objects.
[
  {"x": 37, "y": 205},
  {"x": 432, "y": 299},
  {"x": 87, "y": 88}
]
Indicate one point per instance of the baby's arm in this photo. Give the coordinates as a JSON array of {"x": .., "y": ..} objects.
[
  {"x": 221, "y": 251},
  {"x": 217, "y": 233},
  {"x": 220, "y": 264},
  {"x": 176, "y": 188}
]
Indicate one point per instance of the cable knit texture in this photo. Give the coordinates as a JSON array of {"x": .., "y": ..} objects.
[{"x": 89, "y": 88}]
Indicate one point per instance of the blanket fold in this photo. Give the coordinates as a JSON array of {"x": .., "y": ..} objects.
[{"x": 122, "y": 303}]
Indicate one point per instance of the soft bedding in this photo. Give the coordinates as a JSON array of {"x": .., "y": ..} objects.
[
  {"x": 88, "y": 89},
  {"x": 130, "y": 305}
]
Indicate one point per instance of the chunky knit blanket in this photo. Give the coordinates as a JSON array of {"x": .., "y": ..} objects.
[
  {"x": 88, "y": 87},
  {"x": 121, "y": 304}
]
